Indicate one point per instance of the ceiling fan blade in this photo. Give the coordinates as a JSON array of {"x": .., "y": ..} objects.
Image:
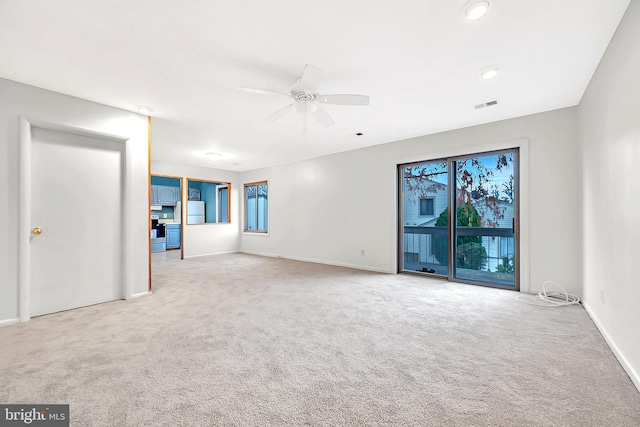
[
  {"x": 322, "y": 116},
  {"x": 344, "y": 99},
  {"x": 263, "y": 92},
  {"x": 281, "y": 112},
  {"x": 311, "y": 77}
]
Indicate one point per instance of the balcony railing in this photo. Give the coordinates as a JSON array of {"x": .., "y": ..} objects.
[{"x": 425, "y": 250}]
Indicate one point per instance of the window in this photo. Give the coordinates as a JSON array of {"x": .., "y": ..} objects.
[
  {"x": 427, "y": 207},
  {"x": 207, "y": 201},
  {"x": 256, "y": 207}
]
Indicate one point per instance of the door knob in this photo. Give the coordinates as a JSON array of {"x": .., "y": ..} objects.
[{"x": 37, "y": 230}]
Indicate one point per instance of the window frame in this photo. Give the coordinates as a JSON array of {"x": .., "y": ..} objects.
[
  {"x": 244, "y": 198},
  {"x": 185, "y": 197},
  {"x": 433, "y": 206}
]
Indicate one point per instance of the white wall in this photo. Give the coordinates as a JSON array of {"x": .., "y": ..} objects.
[
  {"x": 42, "y": 106},
  {"x": 329, "y": 208},
  {"x": 206, "y": 239},
  {"x": 610, "y": 137}
]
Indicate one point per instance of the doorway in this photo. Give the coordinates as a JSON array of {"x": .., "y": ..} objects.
[
  {"x": 165, "y": 213},
  {"x": 76, "y": 216},
  {"x": 459, "y": 218}
]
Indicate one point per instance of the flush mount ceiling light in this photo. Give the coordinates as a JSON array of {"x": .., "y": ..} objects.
[
  {"x": 144, "y": 110},
  {"x": 489, "y": 73},
  {"x": 475, "y": 9},
  {"x": 213, "y": 156}
]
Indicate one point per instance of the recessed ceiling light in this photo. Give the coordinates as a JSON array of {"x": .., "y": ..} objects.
[
  {"x": 476, "y": 9},
  {"x": 489, "y": 73},
  {"x": 144, "y": 110},
  {"x": 213, "y": 155}
]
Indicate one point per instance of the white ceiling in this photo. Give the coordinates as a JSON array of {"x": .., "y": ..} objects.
[{"x": 419, "y": 60}]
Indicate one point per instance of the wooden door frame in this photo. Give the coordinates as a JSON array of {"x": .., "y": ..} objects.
[{"x": 24, "y": 208}]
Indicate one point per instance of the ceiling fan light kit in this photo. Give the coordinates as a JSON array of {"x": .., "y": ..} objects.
[{"x": 306, "y": 99}]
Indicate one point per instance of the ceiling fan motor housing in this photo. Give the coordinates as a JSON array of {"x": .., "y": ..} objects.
[{"x": 299, "y": 93}]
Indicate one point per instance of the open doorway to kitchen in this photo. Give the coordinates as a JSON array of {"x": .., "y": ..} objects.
[{"x": 165, "y": 218}]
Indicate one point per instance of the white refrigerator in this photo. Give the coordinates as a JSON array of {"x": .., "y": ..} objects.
[{"x": 195, "y": 212}]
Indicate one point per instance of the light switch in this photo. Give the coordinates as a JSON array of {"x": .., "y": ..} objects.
[{"x": 164, "y": 215}]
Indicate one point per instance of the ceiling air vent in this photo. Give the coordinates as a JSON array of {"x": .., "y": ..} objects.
[{"x": 486, "y": 104}]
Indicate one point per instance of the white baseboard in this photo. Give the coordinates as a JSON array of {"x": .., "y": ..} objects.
[
  {"x": 635, "y": 378},
  {"x": 319, "y": 261},
  {"x": 8, "y": 322},
  {"x": 214, "y": 253},
  {"x": 141, "y": 294}
]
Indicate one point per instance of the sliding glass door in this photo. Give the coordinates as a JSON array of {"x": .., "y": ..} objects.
[
  {"x": 459, "y": 218},
  {"x": 425, "y": 203},
  {"x": 485, "y": 217}
]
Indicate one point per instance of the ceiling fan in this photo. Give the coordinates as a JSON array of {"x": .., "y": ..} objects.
[{"x": 306, "y": 99}]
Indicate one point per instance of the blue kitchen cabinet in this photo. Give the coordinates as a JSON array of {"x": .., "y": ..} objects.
[
  {"x": 172, "y": 232},
  {"x": 194, "y": 194},
  {"x": 167, "y": 195},
  {"x": 154, "y": 194}
]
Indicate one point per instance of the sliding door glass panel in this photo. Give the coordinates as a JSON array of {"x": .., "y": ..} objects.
[
  {"x": 483, "y": 234},
  {"x": 424, "y": 234}
]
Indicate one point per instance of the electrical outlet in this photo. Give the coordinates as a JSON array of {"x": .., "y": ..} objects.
[
  {"x": 361, "y": 251},
  {"x": 164, "y": 215},
  {"x": 602, "y": 296}
]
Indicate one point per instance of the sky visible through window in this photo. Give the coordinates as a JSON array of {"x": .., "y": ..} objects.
[{"x": 497, "y": 171}]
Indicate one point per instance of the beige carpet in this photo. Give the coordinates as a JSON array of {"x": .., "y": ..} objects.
[{"x": 251, "y": 341}]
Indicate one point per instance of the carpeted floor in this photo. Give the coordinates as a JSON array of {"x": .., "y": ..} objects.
[{"x": 250, "y": 341}]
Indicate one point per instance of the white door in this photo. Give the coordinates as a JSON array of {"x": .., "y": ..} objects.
[{"x": 76, "y": 202}]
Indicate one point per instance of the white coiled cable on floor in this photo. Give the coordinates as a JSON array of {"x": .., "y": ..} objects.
[{"x": 552, "y": 298}]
